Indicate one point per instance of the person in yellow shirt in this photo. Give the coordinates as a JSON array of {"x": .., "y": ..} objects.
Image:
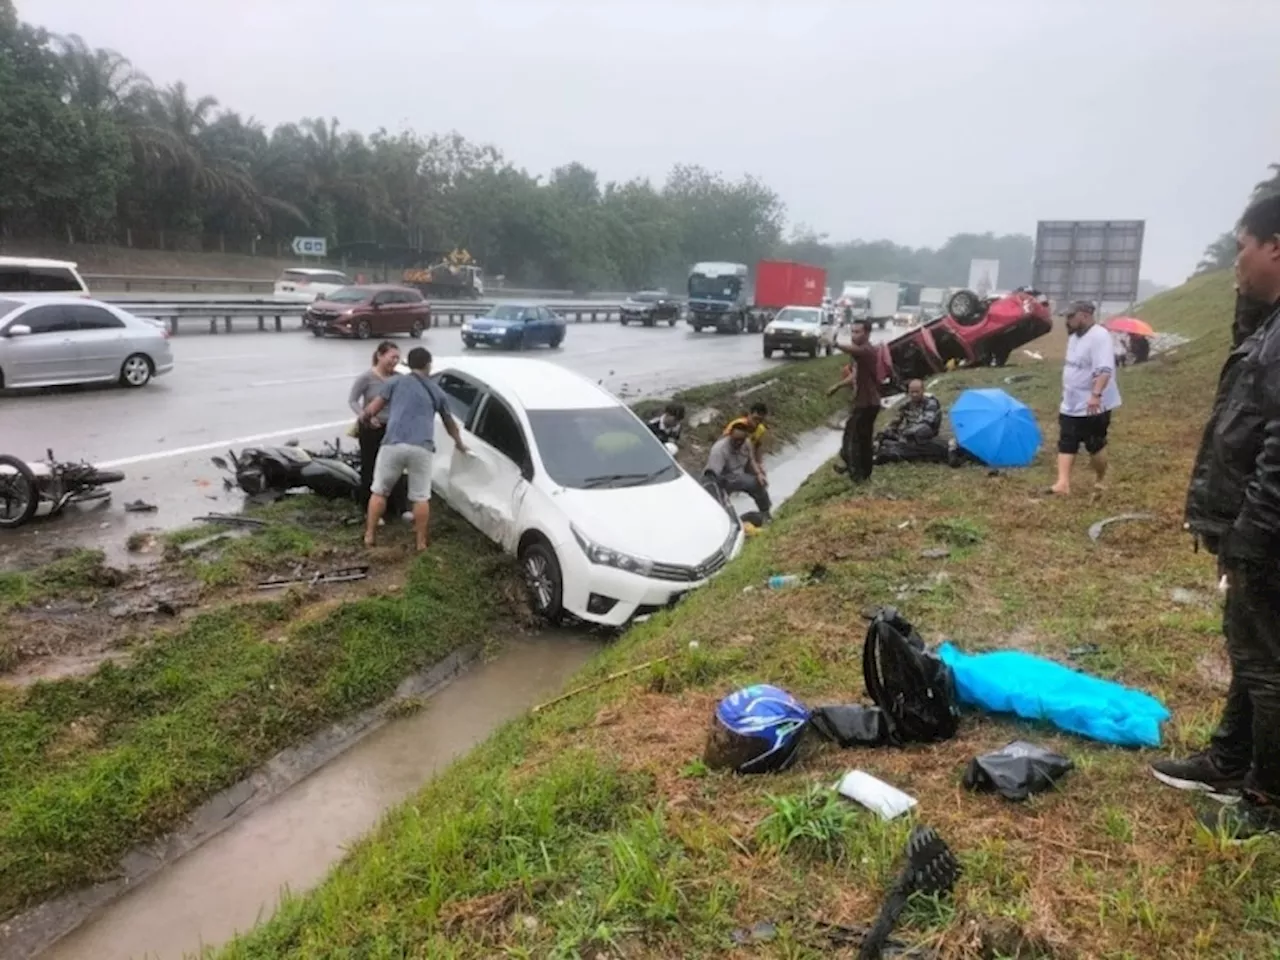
[{"x": 756, "y": 424}]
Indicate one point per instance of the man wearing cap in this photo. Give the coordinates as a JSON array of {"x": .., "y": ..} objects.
[{"x": 1089, "y": 394}]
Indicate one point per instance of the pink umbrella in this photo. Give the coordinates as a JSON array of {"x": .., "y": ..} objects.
[{"x": 1130, "y": 325}]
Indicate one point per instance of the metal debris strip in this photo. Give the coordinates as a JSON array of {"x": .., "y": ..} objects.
[
  {"x": 231, "y": 520},
  {"x": 1095, "y": 531},
  {"x": 756, "y": 388},
  {"x": 343, "y": 575}
]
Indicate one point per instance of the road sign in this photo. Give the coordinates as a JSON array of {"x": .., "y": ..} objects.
[
  {"x": 984, "y": 276},
  {"x": 1096, "y": 260},
  {"x": 310, "y": 246}
]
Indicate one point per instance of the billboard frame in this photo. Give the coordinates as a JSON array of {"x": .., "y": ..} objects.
[{"x": 1095, "y": 260}]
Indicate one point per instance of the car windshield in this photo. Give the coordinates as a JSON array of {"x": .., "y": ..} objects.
[
  {"x": 717, "y": 288},
  {"x": 507, "y": 311},
  {"x": 7, "y": 307},
  {"x": 645, "y": 296},
  {"x": 348, "y": 295},
  {"x": 600, "y": 448},
  {"x": 791, "y": 315}
]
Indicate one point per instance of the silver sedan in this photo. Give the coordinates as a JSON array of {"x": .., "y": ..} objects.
[{"x": 47, "y": 341}]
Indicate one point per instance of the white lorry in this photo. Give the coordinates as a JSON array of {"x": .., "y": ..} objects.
[{"x": 874, "y": 300}]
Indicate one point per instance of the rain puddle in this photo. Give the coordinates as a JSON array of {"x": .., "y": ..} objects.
[{"x": 234, "y": 880}]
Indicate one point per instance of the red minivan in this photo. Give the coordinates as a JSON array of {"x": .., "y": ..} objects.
[{"x": 369, "y": 311}]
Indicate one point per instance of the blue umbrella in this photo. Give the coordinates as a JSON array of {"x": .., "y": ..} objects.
[{"x": 996, "y": 428}]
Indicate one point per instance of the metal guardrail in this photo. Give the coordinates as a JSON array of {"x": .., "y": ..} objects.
[
  {"x": 275, "y": 313},
  {"x": 136, "y": 283}
]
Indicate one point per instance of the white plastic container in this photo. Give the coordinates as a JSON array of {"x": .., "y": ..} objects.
[{"x": 886, "y": 800}]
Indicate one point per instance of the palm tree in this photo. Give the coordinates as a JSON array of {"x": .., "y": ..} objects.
[{"x": 97, "y": 79}]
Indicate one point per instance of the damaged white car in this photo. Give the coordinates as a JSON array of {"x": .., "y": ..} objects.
[{"x": 606, "y": 525}]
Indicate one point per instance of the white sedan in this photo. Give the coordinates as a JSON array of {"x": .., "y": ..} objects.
[
  {"x": 605, "y": 523},
  {"x": 307, "y": 284},
  {"x": 47, "y": 341}
]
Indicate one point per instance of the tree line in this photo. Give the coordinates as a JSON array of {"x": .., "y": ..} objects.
[{"x": 92, "y": 151}]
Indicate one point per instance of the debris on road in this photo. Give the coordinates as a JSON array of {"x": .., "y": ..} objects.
[
  {"x": 931, "y": 870},
  {"x": 1095, "y": 531},
  {"x": 599, "y": 683},
  {"x": 231, "y": 520},
  {"x": 343, "y": 575},
  {"x": 139, "y": 506},
  {"x": 1017, "y": 770}
]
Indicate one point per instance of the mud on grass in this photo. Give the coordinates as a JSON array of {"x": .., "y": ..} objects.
[
  {"x": 516, "y": 852},
  {"x": 91, "y": 766}
]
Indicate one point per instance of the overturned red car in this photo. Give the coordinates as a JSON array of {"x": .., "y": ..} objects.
[{"x": 975, "y": 331}]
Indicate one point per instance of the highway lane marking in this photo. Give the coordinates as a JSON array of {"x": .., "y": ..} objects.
[
  {"x": 223, "y": 444},
  {"x": 345, "y": 375}
]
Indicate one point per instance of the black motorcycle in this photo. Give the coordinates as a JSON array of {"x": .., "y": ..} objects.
[{"x": 264, "y": 471}]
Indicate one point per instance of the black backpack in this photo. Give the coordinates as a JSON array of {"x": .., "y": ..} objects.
[{"x": 914, "y": 688}]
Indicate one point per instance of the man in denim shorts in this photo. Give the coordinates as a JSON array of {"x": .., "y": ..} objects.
[{"x": 412, "y": 401}]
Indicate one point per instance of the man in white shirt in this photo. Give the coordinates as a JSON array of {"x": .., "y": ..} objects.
[{"x": 1089, "y": 394}]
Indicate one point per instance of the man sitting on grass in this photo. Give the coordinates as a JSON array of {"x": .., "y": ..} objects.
[{"x": 733, "y": 468}]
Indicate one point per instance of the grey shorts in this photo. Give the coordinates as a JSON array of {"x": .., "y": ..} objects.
[{"x": 396, "y": 459}]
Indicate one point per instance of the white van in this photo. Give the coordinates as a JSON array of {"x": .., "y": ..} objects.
[
  {"x": 30, "y": 276},
  {"x": 306, "y": 284}
]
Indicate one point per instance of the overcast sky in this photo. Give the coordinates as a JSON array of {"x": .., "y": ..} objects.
[{"x": 909, "y": 120}]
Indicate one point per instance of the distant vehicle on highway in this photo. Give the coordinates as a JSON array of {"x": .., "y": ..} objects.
[
  {"x": 304, "y": 284},
  {"x": 515, "y": 326},
  {"x": 800, "y": 330},
  {"x": 48, "y": 340},
  {"x": 559, "y": 472},
  {"x": 30, "y": 276},
  {"x": 724, "y": 297},
  {"x": 376, "y": 310},
  {"x": 650, "y": 307},
  {"x": 976, "y": 331}
]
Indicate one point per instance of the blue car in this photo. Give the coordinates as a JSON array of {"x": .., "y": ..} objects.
[{"x": 514, "y": 326}]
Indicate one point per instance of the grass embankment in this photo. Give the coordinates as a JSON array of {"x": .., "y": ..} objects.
[
  {"x": 92, "y": 765},
  {"x": 594, "y": 829}
]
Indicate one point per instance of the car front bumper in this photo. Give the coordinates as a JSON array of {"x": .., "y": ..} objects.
[
  {"x": 792, "y": 342},
  {"x": 492, "y": 338},
  {"x": 612, "y": 597}
]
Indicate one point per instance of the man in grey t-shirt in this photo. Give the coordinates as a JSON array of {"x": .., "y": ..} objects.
[
  {"x": 412, "y": 402},
  {"x": 732, "y": 465},
  {"x": 1089, "y": 394}
]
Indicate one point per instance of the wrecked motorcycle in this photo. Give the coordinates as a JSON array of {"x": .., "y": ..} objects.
[
  {"x": 26, "y": 487},
  {"x": 263, "y": 471}
]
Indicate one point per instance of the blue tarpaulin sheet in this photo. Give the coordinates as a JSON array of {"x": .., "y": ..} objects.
[{"x": 1031, "y": 687}]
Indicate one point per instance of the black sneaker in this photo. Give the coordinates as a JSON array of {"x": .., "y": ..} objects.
[
  {"x": 1243, "y": 821},
  {"x": 1201, "y": 773}
]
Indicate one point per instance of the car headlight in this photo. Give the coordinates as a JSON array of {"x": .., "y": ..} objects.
[
  {"x": 605, "y": 557},
  {"x": 771, "y": 329},
  {"x": 807, "y": 333},
  {"x": 466, "y": 327}
]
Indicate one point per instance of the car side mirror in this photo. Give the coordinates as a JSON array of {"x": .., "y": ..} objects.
[
  {"x": 376, "y": 304},
  {"x": 18, "y": 330}
]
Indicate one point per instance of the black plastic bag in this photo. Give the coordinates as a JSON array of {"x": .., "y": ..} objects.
[
  {"x": 914, "y": 688},
  {"x": 851, "y": 726},
  {"x": 1017, "y": 770}
]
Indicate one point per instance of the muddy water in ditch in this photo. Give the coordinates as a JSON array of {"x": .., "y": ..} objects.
[{"x": 235, "y": 879}]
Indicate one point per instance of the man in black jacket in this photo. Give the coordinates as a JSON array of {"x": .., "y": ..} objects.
[{"x": 1233, "y": 507}]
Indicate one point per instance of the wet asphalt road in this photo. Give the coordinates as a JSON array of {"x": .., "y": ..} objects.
[{"x": 231, "y": 390}]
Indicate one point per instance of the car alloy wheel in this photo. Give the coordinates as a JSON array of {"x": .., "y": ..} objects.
[
  {"x": 541, "y": 572},
  {"x": 415, "y": 330},
  {"x": 135, "y": 371},
  {"x": 363, "y": 330}
]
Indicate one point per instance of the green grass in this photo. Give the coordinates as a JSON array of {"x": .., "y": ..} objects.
[
  {"x": 80, "y": 574},
  {"x": 90, "y": 767},
  {"x": 1110, "y": 865}
]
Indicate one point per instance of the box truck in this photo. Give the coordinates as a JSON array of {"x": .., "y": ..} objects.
[
  {"x": 874, "y": 300},
  {"x": 725, "y": 297}
]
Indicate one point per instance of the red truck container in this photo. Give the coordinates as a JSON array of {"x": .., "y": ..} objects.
[{"x": 783, "y": 283}]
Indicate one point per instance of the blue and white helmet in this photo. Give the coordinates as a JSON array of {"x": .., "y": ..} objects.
[{"x": 763, "y": 726}]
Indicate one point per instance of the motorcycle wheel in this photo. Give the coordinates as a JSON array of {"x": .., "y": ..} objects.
[{"x": 19, "y": 492}]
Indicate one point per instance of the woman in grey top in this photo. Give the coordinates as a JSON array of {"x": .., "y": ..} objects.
[{"x": 367, "y": 386}]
